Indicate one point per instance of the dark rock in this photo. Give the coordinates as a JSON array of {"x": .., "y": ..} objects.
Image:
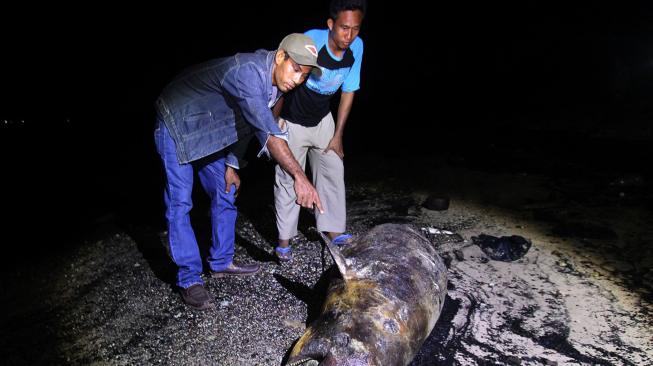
[
  {"x": 513, "y": 360},
  {"x": 505, "y": 248},
  {"x": 459, "y": 255},
  {"x": 446, "y": 256},
  {"x": 436, "y": 203}
]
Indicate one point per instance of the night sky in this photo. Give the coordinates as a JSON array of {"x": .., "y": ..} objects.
[{"x": 76, "y": 117}]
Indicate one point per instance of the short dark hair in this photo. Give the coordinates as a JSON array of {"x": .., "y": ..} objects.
[{"x": 343, "y": 5}]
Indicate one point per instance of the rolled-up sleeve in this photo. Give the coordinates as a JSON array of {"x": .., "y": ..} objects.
[
  {"x": 236, "y": 153},
  {"x": 232, "y": 161},
  {"x": 247, "y": 86}
]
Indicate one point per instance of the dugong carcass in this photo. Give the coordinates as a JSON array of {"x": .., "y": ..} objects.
[{"x": 380, "y": 312}]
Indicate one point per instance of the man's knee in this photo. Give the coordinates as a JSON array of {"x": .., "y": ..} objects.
[{"x": 178, "y": 209}]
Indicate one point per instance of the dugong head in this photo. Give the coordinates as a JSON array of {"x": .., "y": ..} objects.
[
  {"x": 340, "y": 349},
  {"x": 358, "y": 327}
]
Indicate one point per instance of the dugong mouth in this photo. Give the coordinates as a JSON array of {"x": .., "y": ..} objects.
[
  {"x": 327, "y": 360},
  {"x": 304, "y": 362}
]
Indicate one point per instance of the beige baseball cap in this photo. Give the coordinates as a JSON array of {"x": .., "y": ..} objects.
[{"x": 302, "y": 50}]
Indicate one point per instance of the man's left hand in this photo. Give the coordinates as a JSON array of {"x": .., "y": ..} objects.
[
  {"x": 231, "y": 177},
  {"x": 336, "y": 145}
]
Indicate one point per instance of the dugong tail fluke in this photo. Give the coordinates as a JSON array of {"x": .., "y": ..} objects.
[{"x": 391, "y": 293}]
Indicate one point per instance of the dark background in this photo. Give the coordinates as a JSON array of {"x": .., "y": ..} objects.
[{"x": 565, "y": 82}]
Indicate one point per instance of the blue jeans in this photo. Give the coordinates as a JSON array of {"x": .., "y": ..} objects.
[{"x": 178, "y": 189}]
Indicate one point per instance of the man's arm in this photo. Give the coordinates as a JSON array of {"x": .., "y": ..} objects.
[
  {"x": 346, "y": 101},
  {"x": 306, "y": 193},
  {"x": 246, "y": 86}
]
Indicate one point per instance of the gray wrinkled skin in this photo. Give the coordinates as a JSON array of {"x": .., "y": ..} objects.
[{"x": 385, "y": 305}]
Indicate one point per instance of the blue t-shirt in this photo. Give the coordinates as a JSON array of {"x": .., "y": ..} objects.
[{"x": 309, "y": 103}]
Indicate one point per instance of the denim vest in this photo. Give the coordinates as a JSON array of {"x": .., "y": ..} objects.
[{"x": 211, "y": 106}]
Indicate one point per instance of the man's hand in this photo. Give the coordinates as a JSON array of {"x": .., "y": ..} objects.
[
  {"x": 336, "y": 145},
  {"x": 231, "y": 177},
  {"x": 306, "y": 194}
]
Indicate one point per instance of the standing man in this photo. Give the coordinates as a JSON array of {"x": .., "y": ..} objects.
[
  {"x": 202, "y": 116},
  {"x": 311, "y": 129}
]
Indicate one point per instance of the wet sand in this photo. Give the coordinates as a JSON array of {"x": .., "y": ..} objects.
[{"x": 581, "y": 295}]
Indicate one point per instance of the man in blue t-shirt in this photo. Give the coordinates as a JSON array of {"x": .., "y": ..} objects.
[{"x": 312, "y": 131}]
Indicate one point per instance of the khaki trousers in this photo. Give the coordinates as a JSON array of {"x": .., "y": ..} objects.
[{"x": 328, "y": 179}]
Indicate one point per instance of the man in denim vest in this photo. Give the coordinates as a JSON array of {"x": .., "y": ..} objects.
[{"x": 204, "y": 117}]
